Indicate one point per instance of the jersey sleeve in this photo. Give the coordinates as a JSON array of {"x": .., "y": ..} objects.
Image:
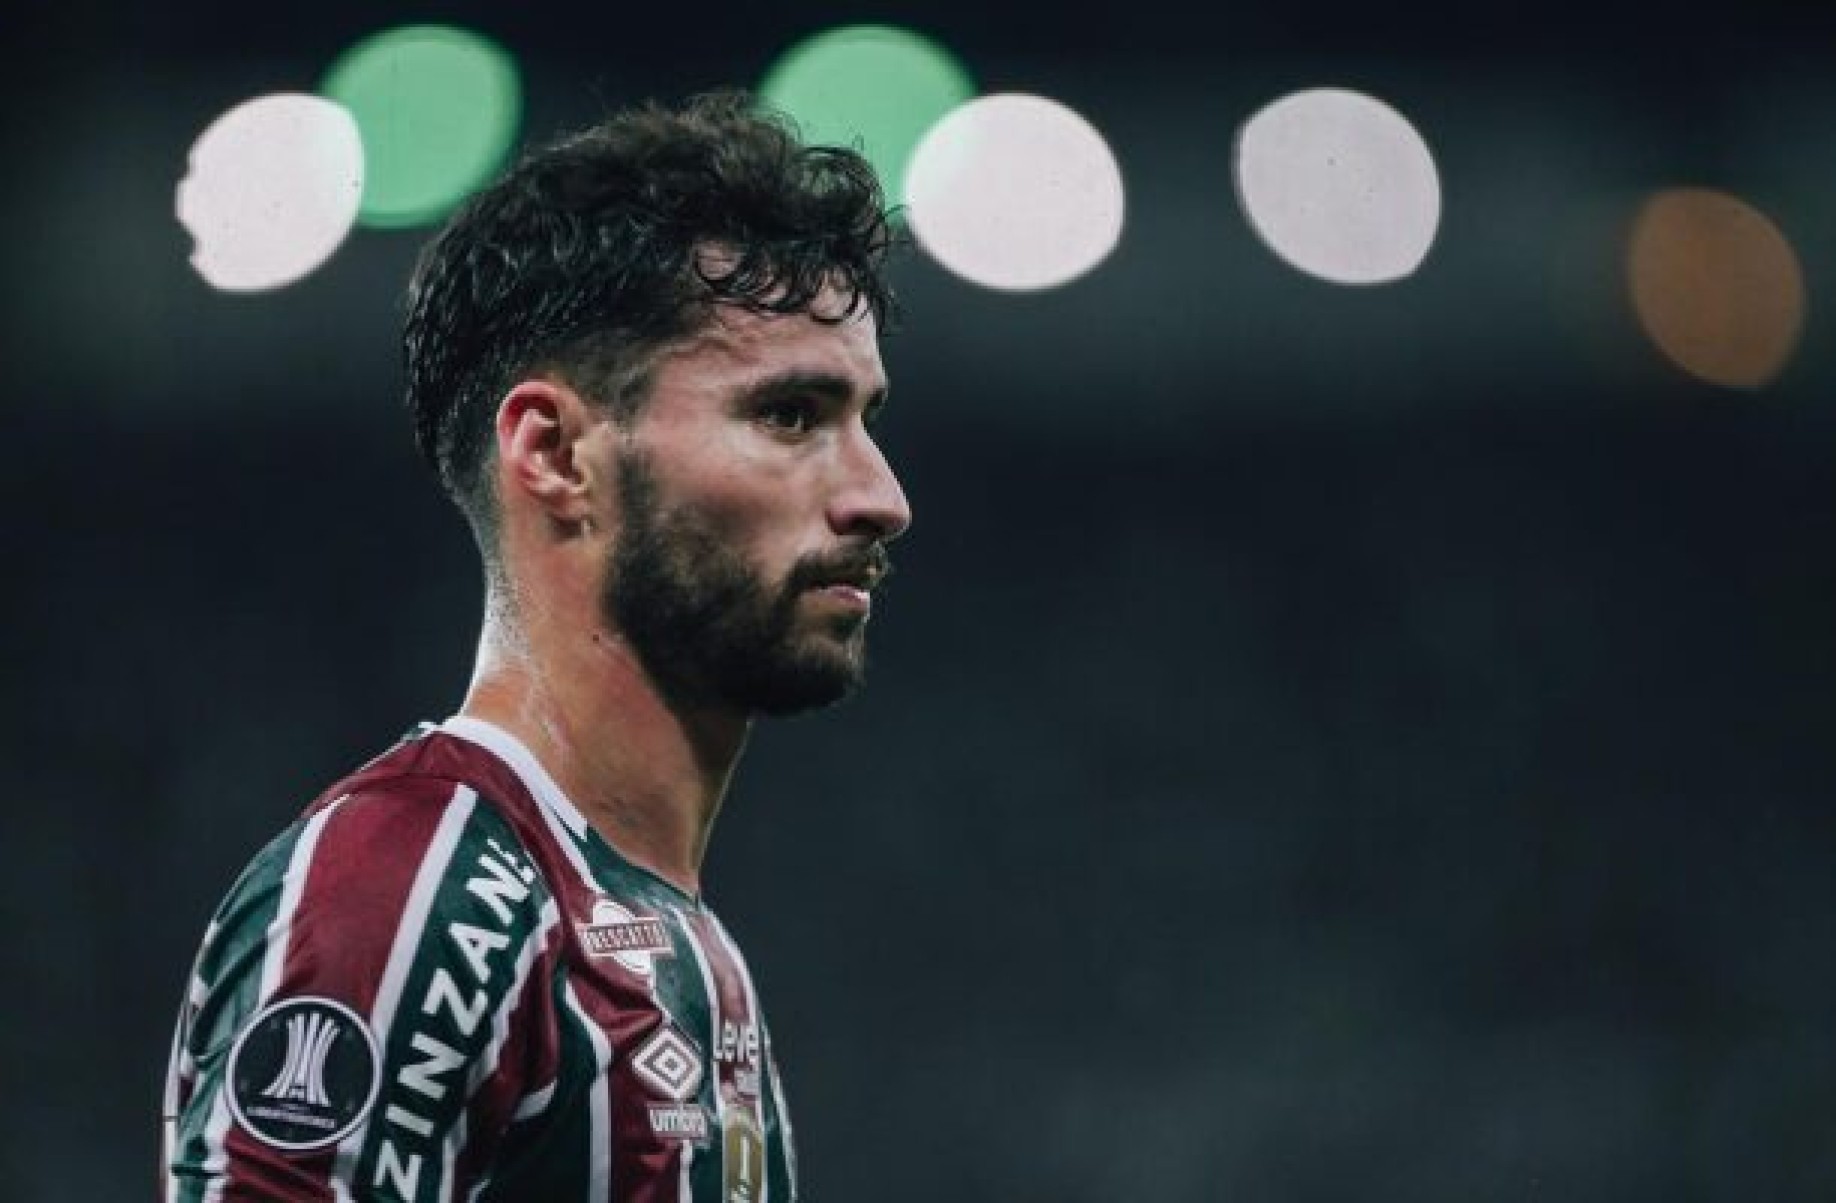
[{"x": 369, "y": 1008}]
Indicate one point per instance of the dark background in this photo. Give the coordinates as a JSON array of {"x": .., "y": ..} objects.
[{"x": 1324, "y": 743}]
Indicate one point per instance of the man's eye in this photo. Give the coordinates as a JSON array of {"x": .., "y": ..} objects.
[{"x": 792, "y": 417}]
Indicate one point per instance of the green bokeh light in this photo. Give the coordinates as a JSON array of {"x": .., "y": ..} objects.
[
  {"x": 437, "y": 108},
  {"x": 872, "y": 86}
]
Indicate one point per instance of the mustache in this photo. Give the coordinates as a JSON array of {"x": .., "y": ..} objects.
[{"x": 866, "y": 567}]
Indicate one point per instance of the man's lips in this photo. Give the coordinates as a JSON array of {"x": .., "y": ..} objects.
[
  {"x": 862, "y": 577},
  {"x": 866, "y": 582},
  {"x": 851, "y": 597},
  {"x": 849, "y": 585}
]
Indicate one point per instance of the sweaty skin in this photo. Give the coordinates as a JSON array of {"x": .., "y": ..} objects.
[{"x": 756, "y": 429}]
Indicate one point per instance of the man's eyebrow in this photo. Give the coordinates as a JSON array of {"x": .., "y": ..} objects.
[{"x": 829, "y": 386}]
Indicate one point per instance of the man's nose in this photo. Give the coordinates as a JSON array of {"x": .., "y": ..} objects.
[{"x": 870, "y": 500}]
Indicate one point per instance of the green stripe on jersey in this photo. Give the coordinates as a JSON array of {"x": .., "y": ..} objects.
[
  {"x": 464, "y": 966},
  {"x": 229, "y": 968},
  {"x": 234, "y": 956}
]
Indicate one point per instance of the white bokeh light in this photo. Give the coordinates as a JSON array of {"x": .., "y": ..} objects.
[
  {"x": 1339, "y": 185},
  {"x": 1015, "y": 192},
  {"x": 272, "y": 190}
]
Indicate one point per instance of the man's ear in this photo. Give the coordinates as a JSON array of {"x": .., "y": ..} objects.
[{"x": 542, "y": 429}]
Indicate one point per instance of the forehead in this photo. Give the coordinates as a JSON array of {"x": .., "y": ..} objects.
[{"x": 739, "y": 347}]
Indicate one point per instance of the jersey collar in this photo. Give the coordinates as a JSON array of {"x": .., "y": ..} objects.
[{"x": 512, "y": 751}]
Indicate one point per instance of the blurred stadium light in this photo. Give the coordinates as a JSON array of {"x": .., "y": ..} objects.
[
  {"x": 1016, "y": 192},
  {"x": 1530, "y": 245},
  {"x": 875, "y": 87},
  {"x": 1716, "y": 286},
  {"x": 438, "y": 108},
  {"x": 271, "y": 191},
  {"x": 1339, "y": 185}
]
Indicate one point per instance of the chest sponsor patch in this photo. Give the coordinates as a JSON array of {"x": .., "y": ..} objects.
[
  {"x": 630, "y": 939},
  {"x": 303, "y": 1074}
]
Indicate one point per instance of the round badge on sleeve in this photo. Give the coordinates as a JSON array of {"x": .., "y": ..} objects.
[{"x": 303, "y": 1073}]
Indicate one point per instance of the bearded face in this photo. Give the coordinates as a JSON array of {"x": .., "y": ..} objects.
[{"x": 710, "y": 627}]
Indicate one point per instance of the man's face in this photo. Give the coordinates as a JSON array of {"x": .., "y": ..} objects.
[{"x": 753, "y": 512}]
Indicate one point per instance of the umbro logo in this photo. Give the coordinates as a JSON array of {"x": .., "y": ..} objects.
[
  {"x": 669, "y": 1064},
  {"x": 679, "y": 1121}
]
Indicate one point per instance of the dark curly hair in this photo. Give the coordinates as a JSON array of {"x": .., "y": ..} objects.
[{"x": 583, "y": 260}]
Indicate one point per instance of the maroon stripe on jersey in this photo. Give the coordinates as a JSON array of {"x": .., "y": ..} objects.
[
  {"x": 531, "y": 1056},
  {"x": 643, "y": 1170},
  {"x": 618, "y": 1001},
  {"x": 438, "y": 755},
  {"x": 441, "y": 755},
  {"x": 611, "y": 996},
  {"x": 358, "y": 897},
  {"x": 343, "y": 930},
  {"x": 636, "y": 1178}
]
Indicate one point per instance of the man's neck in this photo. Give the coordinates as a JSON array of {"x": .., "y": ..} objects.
[{"x": 649, "y": 778}]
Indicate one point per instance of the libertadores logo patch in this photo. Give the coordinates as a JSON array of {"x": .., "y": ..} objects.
[{"x": 303, "y": 1073}]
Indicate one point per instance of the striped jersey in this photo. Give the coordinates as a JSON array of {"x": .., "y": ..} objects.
[{"x": 442, "y": 983}]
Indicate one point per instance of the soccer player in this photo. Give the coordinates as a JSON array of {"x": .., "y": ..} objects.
[{"x": 644, "y": 364}]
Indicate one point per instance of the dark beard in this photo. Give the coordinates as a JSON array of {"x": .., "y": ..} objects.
[{"x": 705, "y": 626}]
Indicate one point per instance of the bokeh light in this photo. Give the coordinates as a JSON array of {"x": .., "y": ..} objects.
[
  {"x": 873, "y": 86},
  {"x": 1015, "y": 192},
  {"x": 1339, "y": 185},
  {"x": 438, "y": 109},
  {"x": 1716, "y": 286},
  {"x": 271, "y": 191}
]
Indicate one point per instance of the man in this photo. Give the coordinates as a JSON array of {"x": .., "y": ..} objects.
[{"x": 643, "y": 364}]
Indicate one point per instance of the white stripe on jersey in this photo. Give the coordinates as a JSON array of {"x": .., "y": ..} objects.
[
  {"x": 280, "y": 932},
  {"x": 181, "y": 1068},
  {"x": 168, "y": 1120},
  {"x": 511, "y": 750},
  {"x": 534, "y": 1103},
  {"x": 408, "y": 932},
  {"x": 558, "y": 830},
  {"x": 707, "y": 977},
  {"x": 563, "y": 819},
  {"x": 599, "y": 1102}
]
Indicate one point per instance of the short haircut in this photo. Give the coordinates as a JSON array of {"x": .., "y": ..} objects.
[{"x": 585, "y": 259}]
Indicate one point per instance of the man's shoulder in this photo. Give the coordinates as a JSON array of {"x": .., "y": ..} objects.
[
  {"x": 428, "y": 787},
  {"x": 425, "y": 793},
  {"x": 426, "y": 766},
  {"x": 403, "y": 895},
  {"x": 421, "y": 832}
]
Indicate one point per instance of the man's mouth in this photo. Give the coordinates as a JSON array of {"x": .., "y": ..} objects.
[
  {"x": 852, "y": 596},
  {"x": 849, "y": 584},
  {"x": 861, "y": 576}
]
